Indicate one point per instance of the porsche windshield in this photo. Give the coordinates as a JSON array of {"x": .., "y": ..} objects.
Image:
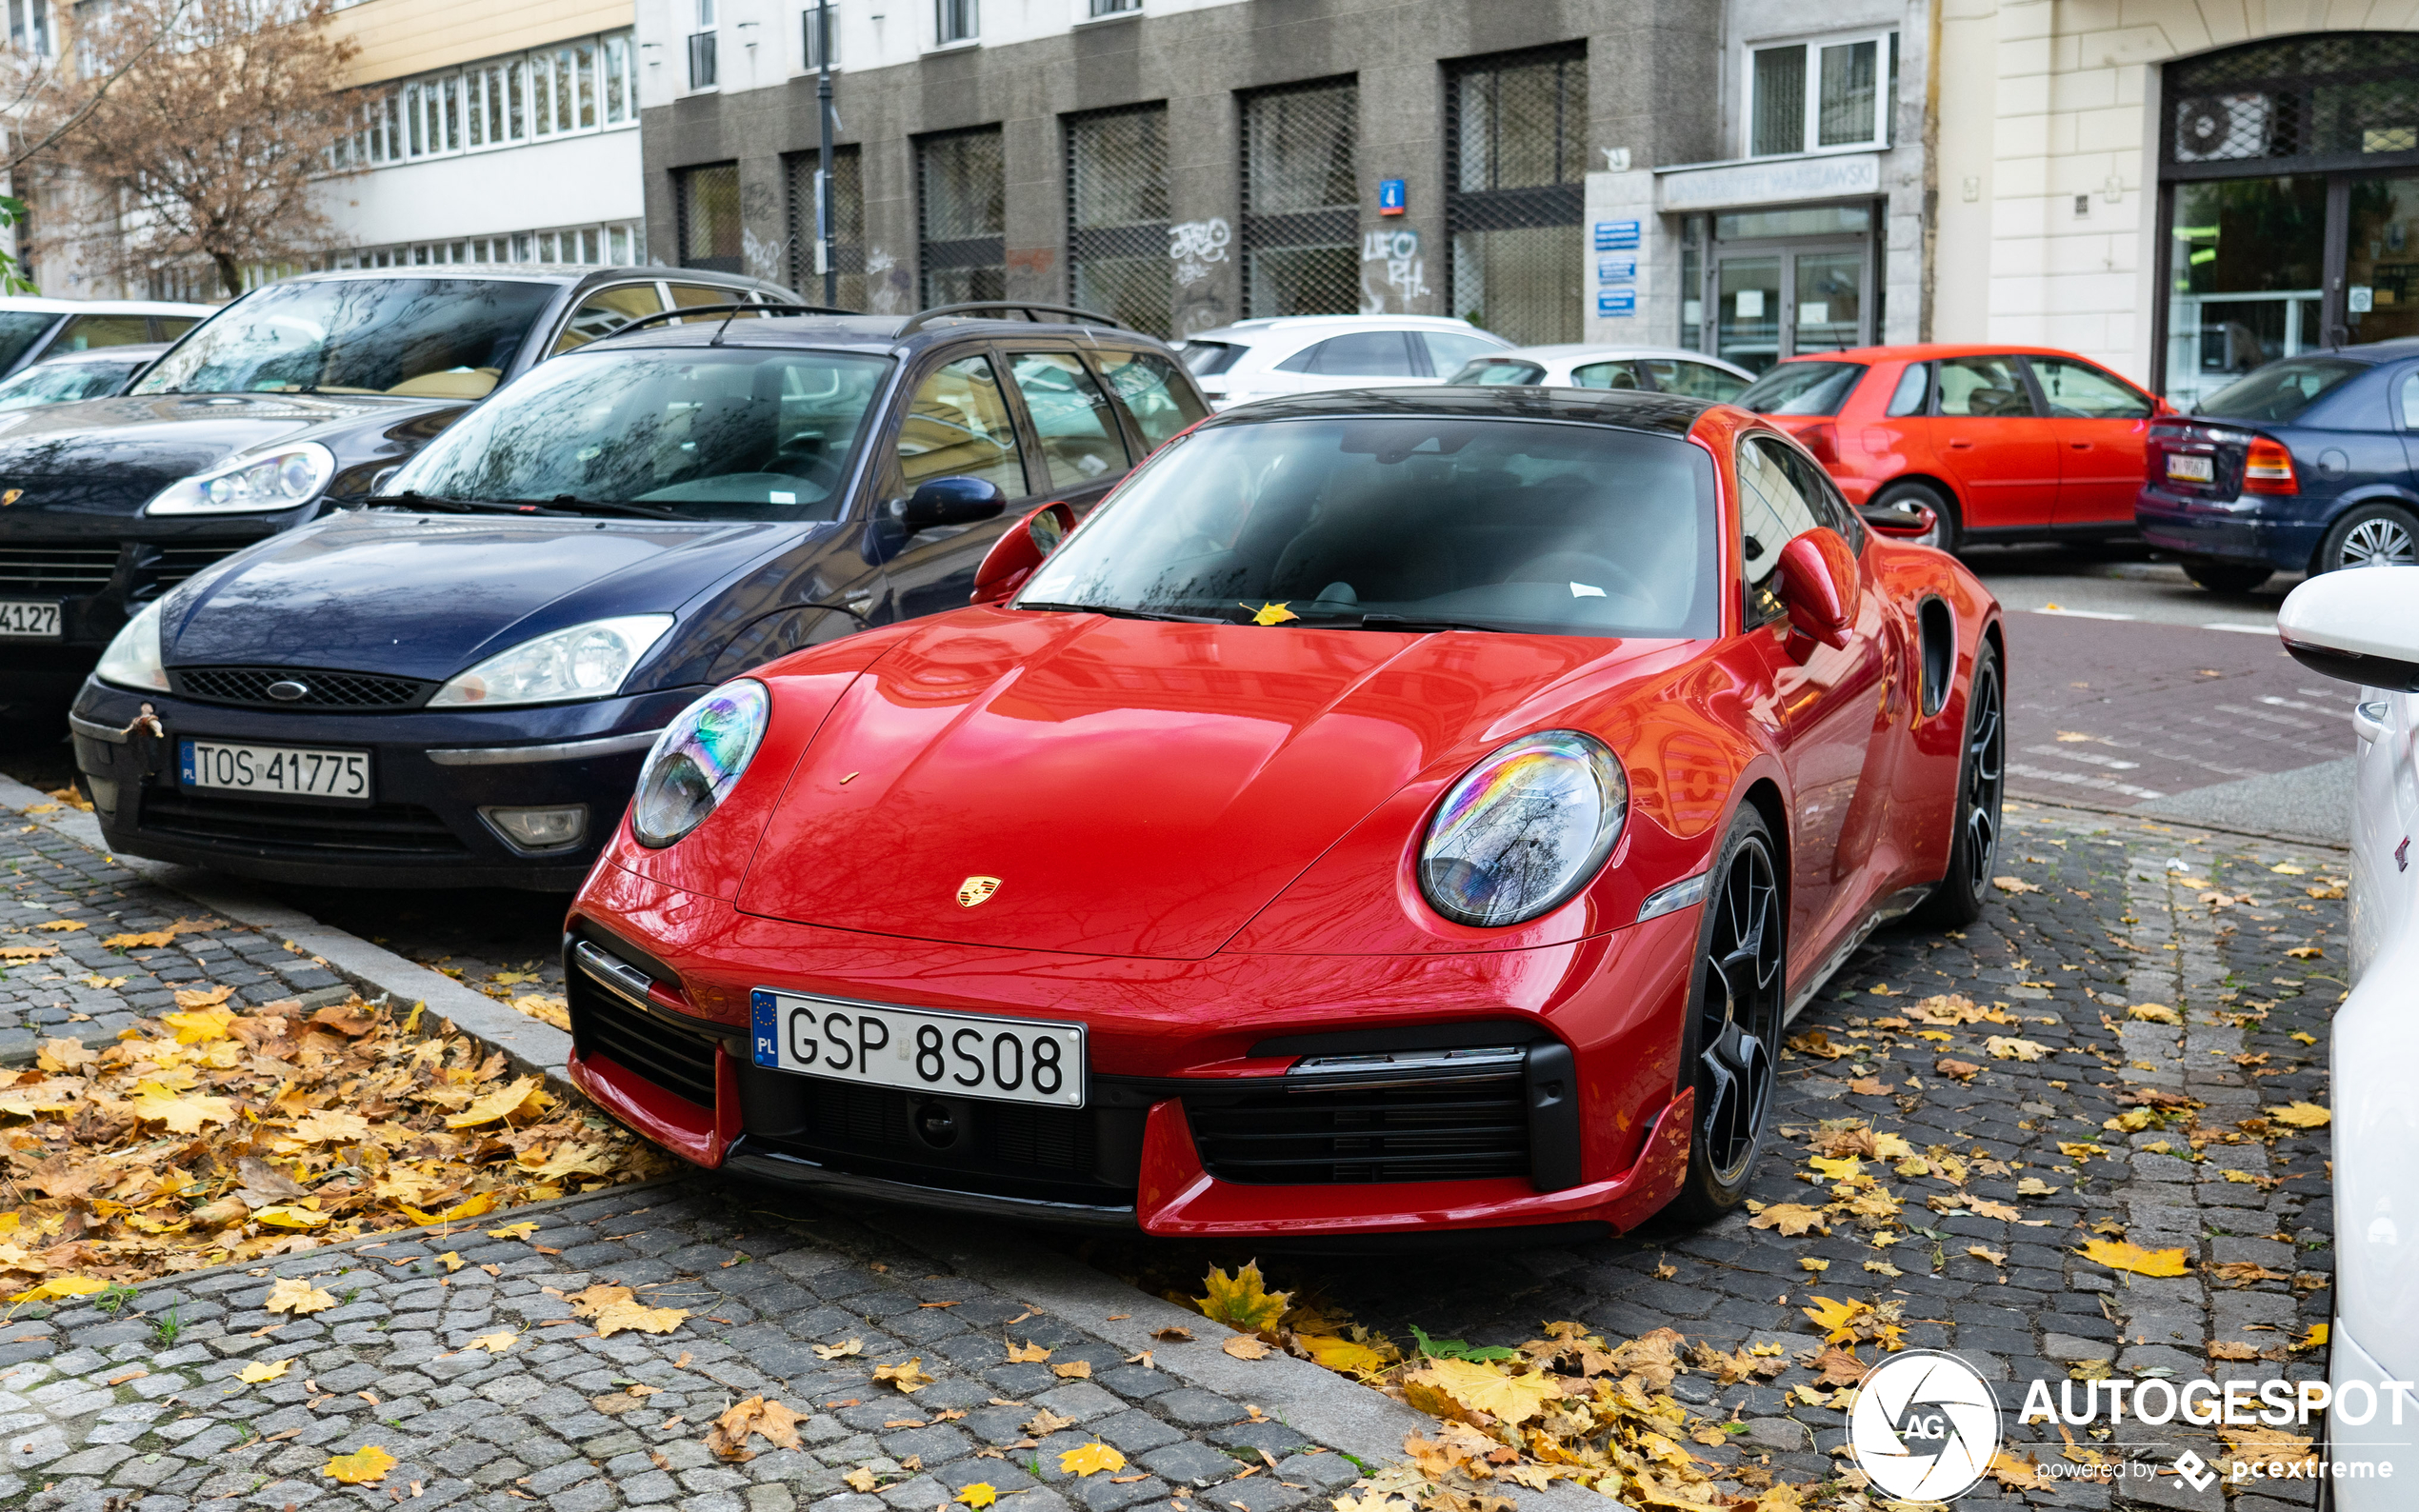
[
  {"x": 728, "y": 432},
  {"x": 1406, "y": 523},
  {"x": 438, "y": 338}
]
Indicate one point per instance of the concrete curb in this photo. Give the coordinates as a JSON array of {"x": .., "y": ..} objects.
[
  {"x": 373, "y": 970},
  {"x": 2282, "y": 836}
]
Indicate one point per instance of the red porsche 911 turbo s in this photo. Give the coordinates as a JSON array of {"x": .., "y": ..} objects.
[{"x": 1390, "y": 811}]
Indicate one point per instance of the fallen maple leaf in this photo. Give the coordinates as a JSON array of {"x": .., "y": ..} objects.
[
  {"x": 1791, "y": 1219},
  {"x": 1817, "y": 1043},
  {"x": 1833, "y": 1317},
  {"x": 1866, "y": 1087},
  {"x": 1334, "y": 1352},
  {"x": 494, "y": 1344},
  {"x": 1241, "y": 1300},
  {"x": 203, "y": 998},
  {"x": 331, "y": 1126},
  {"x": 1983, "y": 1252},
  {"x": 2125, "y": 1255},
  {"x": 1245, "y": 1346},
  {"x": 468, "y": 1207},
  {"x": 2004, "y": 1048},
  {"x": 1073, "y": 1370},
  {"x": 289, "y": 1294},
  {"x": 2301, "y": 1115},
  {"x": 2224, "y": 1349},
  {"x": 844, "y": 1348},
  {"x": 1028, "y": 1353},
  {"x": 775, "y": 1422},
  {"x": 58, "y": 1288},
  {"x": 183, "y": 1114},
  {"x": 981, "y": 1494},
  {"x": 2154, "y": 1013},
  {"x": 1044, "y": 1422},
  {"x": 1509, "y": 1398},
  {"x": 1172, "y": 1335},
  {"x": 2315, "y": 1336},
  {"x": 501, "y": 1102},
  {"x": 1962, "y": 1070},
  {"x": 364, "y": 1467},
  {"x": 1090, "y": 1458},
  {"x": 2013, "y": 885},
  {"x": 520, "y": 1230},
  {"x": 256, "y": 1371},
  {"x": 908, "y": 1378},
  {"x": 61, "y": 925},
  {"x": 1984, "y": 1208},
  {"x": 2306, "y": 953},
  {"x": 450, "y": 1260},
  {"x": 860, "y": 1479}
]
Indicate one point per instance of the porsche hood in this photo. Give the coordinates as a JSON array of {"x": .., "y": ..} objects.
[{"x": 1129, "y": 788}]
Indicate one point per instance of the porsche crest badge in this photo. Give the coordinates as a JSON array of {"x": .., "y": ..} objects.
[
  {"x": 10, "y": 497},
  {"x": 976, "y": 889}
]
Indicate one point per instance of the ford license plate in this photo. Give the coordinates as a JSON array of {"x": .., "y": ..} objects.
[
  {"x": 2192, "y": 470},
  {"x": 273, "y": 771},
  {"x": 29, "y": 620},
  {"x": 971, "y": 1055}
]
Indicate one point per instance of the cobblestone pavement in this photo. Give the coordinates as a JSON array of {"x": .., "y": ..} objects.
[
  {"x": 68, "y": 982},
  {"x": 145, "y": 1411},
  {"x": 2118, "y": 919}
]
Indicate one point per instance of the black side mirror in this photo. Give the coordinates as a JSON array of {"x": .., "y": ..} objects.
[{"x": 950, "y": 501}]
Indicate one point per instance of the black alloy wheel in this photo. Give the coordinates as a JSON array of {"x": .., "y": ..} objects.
[
  {"x": 1733, "y": 1047},
  {"x": 1982, "y": 779}
]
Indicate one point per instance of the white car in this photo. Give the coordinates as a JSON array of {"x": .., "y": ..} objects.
[
  {"x": 1297, "y": 354},
  {"x": 33, "y": 329},
  {"x": 2362, "y": 626},
  {"x": 1575, "y": 365}
]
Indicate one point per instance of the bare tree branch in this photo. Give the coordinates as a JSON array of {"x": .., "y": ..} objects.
[{"x": 100, "y": 92}]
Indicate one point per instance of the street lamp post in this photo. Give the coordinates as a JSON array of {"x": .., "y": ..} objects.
[{"x": 823, "y": 261}]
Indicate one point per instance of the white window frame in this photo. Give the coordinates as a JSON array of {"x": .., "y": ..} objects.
[
  {"x": 1810, "y": 131},
  {"x": 972, "y": 35},
  {"x": 811, "y": 62},
  {"x": 506, "y": 85}
]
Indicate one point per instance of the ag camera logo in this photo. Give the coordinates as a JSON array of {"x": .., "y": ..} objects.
[{"x": 1925, "y": 1426}]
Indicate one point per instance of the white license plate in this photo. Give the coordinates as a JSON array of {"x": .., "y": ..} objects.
[
  {"x": 968, "y": 1055},
  {"x": 274, "y": 771},
  {"x": 2193, "y": 469},
  {"x": 29, "y": 620}
]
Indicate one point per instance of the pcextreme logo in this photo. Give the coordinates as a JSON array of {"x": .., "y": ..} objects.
[{"x": 1925, "y": 1426}]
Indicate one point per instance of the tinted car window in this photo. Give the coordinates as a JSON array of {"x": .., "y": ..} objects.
[
  {"x": 1499, "y": 373},
  {"x": 1983, "y": 386},
  {"x": 1695, "y": 379},
  {"x": 61, "y": 383},
  {"x": 1607, "y": 375},
  {"x": 2278, "y": 392},
  {"x": 449, "y": 337},
  {"x": 1449, "y": 350},
  {"x": 1913, "y": 394},
  {"x": 1362, "y": 354},
  {"x": 1801, "y": 388},
  {"x": 717, "y": 434},
  {"x": 85, "y": 332},
  {"x": 2079, "y": 390},
  {"x": 1072, "y": 419},
  {"x": 2409, "y": 389},
  {"x": 168, "y": 328},
  {"x": 1160, "y": 404},
  {"x": 1549, "y": 528},
  {"x": 958, "y": 427},
  {"x": 606, "y": 311},
  {"x": 21, "y": 328},
  {"x": 1207, "y": 358},
  {"x": 1776, "y": 508}
]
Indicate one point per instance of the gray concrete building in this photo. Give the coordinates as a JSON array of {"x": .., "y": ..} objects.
[{"x": 1552, "y": 170}]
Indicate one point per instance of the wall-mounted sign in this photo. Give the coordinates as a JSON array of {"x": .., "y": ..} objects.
[
  {"x": 1392, "y": 195},
  {"x": 1616, "y": 304},
  {"x": 1616, "y": 236},
  {"x": 1616, "y": 269},
  {"x": 1778, "y": 181}
]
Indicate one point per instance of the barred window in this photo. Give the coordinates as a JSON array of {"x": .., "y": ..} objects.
[
  {"x": 707, "y": 199},
  {"x": 2340, "y": 93},
  {"x": 847, "y": 225},
  {"x": 1516, "y": 136},
  {"x": 1117, "y": 215},
  {"x": 1301, "y": 207},
  {"x": 961, "y": 208}
]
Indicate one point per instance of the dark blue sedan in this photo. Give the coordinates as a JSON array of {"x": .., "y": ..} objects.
[
  {"x": 2306, "y": 464},
  {"x": 457, "y": 687}
]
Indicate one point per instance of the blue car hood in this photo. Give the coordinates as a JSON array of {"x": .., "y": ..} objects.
[{"x": 427, "y": 596}]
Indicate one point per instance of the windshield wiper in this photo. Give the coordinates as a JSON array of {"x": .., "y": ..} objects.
[
  {"x": 417, "y": 500},
  {"x": 1120, "y": 613},
  {"x": 1419, "y": 623},
  {"x": 571, "y": 502}
]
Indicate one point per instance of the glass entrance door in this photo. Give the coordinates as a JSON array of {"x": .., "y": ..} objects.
[
  {"x": 1785, "y": 303},
  {"x": 1829, "y": 313},
  {"x": 1748, "y": 311},
  {"x": 2381, "y": 260}
]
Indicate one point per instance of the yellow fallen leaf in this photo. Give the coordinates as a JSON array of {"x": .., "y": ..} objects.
[
  {"x": 908, "y": 1378},
  {"x": 60, "y": 1287},
  {"x": 288, "y": 1215},
  {"x": 258, "y": 1371},
  {"x": 2305, "y": 952},
  {"x": 1838, "y": 1170},
  {"x": 775, "y": 1422},
  {"x": 1090, "y": 1458},
  {"x": 292, "y": 1295},
  {"x": 331, "y": 1126},
  {"x": 2153, "y": 1013},
  {"x": 1983, "y": 1252},
  {"x": 364, "y": 1467},
  {"x": 501, "y": 1102},
  {"x": 1271, "y": 613},
  {"x": 1791, "y": 1219},
  {"x": 2013, "y": 885},
  {"x": 2315, "y": 1336},
  {"x": 1339, "y": 1354},
  {"x": 494, "y": 1344},
  {"x": 1241, "y": 1300},
  {"x": 15, "y": 955},
  {"x": 2006, "y": 1048},
  {"x": 545, "y": 1007},
  {"x": 60, "y": 926},
  {"x": 1984, "y": 1208},
  {"x": 1833, "y": 1317},
  {"x": 1883, "y": 1267},
  {"x": 2125, "y": 1255},
  {"x": 860, "y": 1479},
  {"x": 2286, "y": 868},
  {"x": 2302, "y": 1115},
  {"x": 450, "y": 1260},
  {"x": 1073, "y": 1370},
  {"x": 638, "y": 1318},
  {"x": 844, "y": 1348},
  {"x": 520, "y": 1230},
  {"x": 1028, "y": 1353},
  {"x": 468, "y": 1207},
  {"x": 204, "y": 998},
  {"x": 981, "y": 1494},
  {"x": 1818, "y": 1267},
  {"x": 183, "y": 1114},
  {"x": 1509, "y": 1399},
  {"x": 2299, "y": 1037},
  {"x": 1245, "y": 1346}
]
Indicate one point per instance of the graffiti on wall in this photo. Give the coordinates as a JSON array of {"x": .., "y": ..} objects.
[
  {"x": 1392, "y": 268},
  {"x": 1192, "y": 245}
]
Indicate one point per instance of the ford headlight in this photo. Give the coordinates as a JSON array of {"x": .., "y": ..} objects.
[
  {"x": 281, "y": 479},
  {"x": 1524, "y": 830},
  {"x": 587, "y": 661},
  {"x": 696, "y": 760},
  {"x": 133, "y": 658}
]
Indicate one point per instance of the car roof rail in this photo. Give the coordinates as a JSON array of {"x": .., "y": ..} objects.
[
  {"x": 1030, "y": 311},
  {"x": 770, "y": 307}
]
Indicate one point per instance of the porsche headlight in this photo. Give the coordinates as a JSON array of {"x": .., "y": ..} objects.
[
  {"x": 133, "y": 657},
  {"x": 696, "y": 760},
  {"x": 1524, "y": 830},
  {"x": 279, "y": 479},
  {"x": 587, "y": 661}
]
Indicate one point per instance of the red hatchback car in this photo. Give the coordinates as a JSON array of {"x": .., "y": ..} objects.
[
  {"x": 1389, "y": 811},
  {"x": 1945, "y": 444}
]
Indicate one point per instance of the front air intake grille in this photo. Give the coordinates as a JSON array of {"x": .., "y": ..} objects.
[
  {"x": 175, "y": 564},
  {"x": 363, "y": 692},
  {"x": 673, "y": 1059},
  {"x": 62, "y": 569},
  {"x": 1456, "y": 1127},
  {"x": 261, "y": 828}
]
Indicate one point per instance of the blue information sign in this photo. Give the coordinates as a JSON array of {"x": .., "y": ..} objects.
[
  {"x": 1392, "y": 195},
  {"x": 1617, "y": 302},
  {"x": 1616, "y": 236}
]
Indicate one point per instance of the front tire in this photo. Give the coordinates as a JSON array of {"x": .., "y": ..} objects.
[
  {"x": 1982, "y": 773},
  {"x": 2369, "y": 535},
  {"x": 1731, "y": 1050},
  {"x": 2226, "y": 577}
]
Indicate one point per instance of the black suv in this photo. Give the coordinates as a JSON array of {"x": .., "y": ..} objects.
[
  {"x": 456, "y": 686},
  {"x": 288, "y": 400}
]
